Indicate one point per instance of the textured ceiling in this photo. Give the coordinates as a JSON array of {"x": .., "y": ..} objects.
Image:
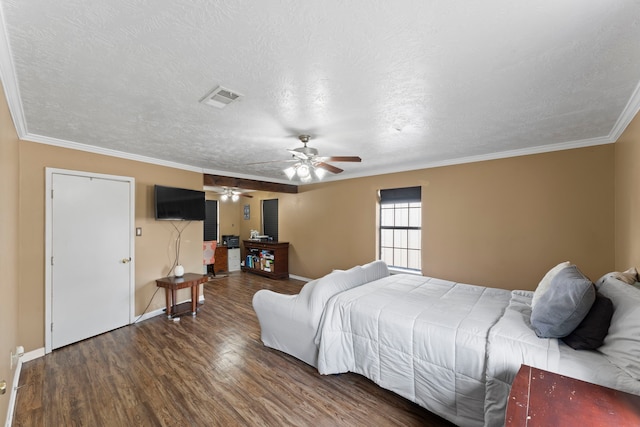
[{"x": 403, "y": 84}]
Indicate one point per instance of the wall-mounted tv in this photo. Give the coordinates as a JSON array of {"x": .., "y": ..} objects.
[{"x": 179, "y": 204}]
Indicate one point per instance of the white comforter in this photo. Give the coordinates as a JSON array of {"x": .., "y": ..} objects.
[
  {"x": 453, "y": 348},
  {"x": 423, "y": 338}
]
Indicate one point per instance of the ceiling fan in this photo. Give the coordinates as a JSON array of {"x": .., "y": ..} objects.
[
  {"x": 231, "y": 193},
  {"x": 308, "y": 161}
]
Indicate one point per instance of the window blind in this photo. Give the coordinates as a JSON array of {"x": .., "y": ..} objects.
[
  {"x": 270, "y": 218},
  {"x": 401, "y": 195},
  {"x": 211, "y": 220}
]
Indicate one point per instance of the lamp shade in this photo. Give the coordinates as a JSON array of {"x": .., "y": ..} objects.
[
  {"x": 290, "y": 172},
  {"x": 320, "y": 172}
]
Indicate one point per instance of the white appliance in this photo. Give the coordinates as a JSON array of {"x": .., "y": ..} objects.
[{"x": 233, "y": 255}]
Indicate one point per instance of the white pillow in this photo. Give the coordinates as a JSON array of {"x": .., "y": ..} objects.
[
  {"x": 543, "y": 286},
  {"x": 622, "y": 343},
  {"x": 375, "y": 270}
]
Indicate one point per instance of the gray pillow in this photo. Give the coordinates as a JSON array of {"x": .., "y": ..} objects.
[{"x": 561, "y": 309}]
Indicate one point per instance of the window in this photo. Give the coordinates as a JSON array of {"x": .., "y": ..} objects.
[
  {"x": 270, "y": 218},
  {"x": 401, "y": 227},
  {"x": 211, "y": 221}
]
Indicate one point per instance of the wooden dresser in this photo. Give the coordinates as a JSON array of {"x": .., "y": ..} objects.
[
  {"x": 222, "y": 259},
  {"x": 541, "y": 398}
]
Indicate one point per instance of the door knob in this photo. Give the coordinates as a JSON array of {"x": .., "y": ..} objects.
[{"x": 126, "y": 260}]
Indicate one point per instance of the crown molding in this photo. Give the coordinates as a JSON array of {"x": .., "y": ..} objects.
[
  {"x": 540, "y": 149},
  {"x": 41, "y": 139},
  {"x": 629, "y": 112},
  {"x": 106, "y": 152},
  {"x": 10, "y": 81},
  {"x": 381, "y": 171},
  {"x": 483, "y": 157}
]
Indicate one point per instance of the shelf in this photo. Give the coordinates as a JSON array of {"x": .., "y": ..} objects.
[
  {"x": 183, "y": 308},
  {"x": 270, "y": 274},
  {"x": 270, "y": 259}
]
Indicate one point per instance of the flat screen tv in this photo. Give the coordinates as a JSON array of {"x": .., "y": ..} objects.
[{"x": 179, "y": 204}]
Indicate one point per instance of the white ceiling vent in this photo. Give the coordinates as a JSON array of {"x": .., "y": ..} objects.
[{"x": 220, "y": 97}]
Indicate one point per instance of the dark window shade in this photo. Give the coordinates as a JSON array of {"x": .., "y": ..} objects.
[
  {"x": 401, "y": 195},
  {"x": 211, "y": 221},
  {"x": 270, "y": 218}
]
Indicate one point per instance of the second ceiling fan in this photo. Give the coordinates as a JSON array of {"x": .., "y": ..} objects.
[{"x": 234, "y": 194}]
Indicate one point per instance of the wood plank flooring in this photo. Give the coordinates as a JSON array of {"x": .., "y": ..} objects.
[{"x": 207, "y": 370}]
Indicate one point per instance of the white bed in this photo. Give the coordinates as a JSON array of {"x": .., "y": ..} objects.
[
  {"x": 455, "y": 348},
  {"x": 420, "y": 337}
]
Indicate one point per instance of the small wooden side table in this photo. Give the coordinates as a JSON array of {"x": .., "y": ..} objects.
[
  {"x": 171, "y": 285},
  {"x": 541, "y": 398}
]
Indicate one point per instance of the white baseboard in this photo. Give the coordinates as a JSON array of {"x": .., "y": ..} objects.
[
  {"x": 12, "y": 396},
  {"x": 304, "y": 279},
  {"x": 148, "y": 315},
  {"x": 32, "y": 355},
  {"x": 16, "y": 380}
]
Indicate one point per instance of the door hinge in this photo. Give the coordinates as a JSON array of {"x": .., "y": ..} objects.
[
  {"x": 52, "y": 193},
  {"x": 51, "y": 260},
  {"x": 51, "y": 326}
]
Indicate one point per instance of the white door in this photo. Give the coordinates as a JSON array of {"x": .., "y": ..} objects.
[{"x": 90, "y": 256}]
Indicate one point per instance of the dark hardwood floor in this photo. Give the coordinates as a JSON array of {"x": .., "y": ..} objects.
[{"x": 207, "y": 370}]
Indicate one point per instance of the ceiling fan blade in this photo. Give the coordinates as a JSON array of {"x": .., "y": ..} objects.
[
  {"x": 246, "y": 195},
  {"x": 328, "y": 167},
  {"x": 271, "y": 161},
  {"x": 342, "y": 159},
  {"x": 298, "y": 155}
]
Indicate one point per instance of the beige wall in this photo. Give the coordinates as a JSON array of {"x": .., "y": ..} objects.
[
  {"x": 504, "y": 223},
  {"x": 9, "y": 285},
  {"x": 154, "y": 250},
  {"x": 627, "y": 177},
  {"x": 499, "y": 223}
]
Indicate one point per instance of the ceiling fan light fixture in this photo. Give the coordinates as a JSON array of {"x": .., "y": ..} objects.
[
  {"x": 320, "y": 172},
  {"x": 290, "y": 172},
  {"x": 309, "y": 165},
  {"x": 303, "y": 171},
  {"x": 230, "y": 193}
]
